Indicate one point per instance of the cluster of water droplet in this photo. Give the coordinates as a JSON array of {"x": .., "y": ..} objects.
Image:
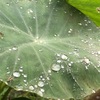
[
  {"x": 13, "y": 49},
  {"x": 62, "y": 63}
]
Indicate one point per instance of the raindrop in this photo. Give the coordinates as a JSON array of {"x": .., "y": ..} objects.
[
  {"x": 25, "y": 80},
  {"x": 98, "y": 52},
  {"x": 42, "y": 90},
  {"x": 35, "y": 86},
  {"x": 68, "y": 69},
  {"x": 80, "y": 24},
  {"x": 46, "y": 6},
  {"x": 65, "y": 12},
  {"x": 31, "y": 87},
  {"x": 86, "y": 60},
  {"x": 89, "y": 21},
  {"x": 8, "y": 72},
  {"x": 93, "y": 91},
  {"x": 40, "y": 84},
  {"x": 98, "y": 64},
  {"x": 59, "y": 61},
  {"x": 21, "y": 67},
  {"x": 58, "y": 1},
  {"x": 49, "y": 71},
  {"x": 40, "y": 50},
  {"x": 89, "y": 29},
  {"x": 55, "y": 35},
  {"x": 15, "y": 63},
  {"x": 19, "y": 87},
  {"x": 64, "y": 57},
  {"x": 69, "y": 64},
  {"x": 41, "y": 76},
  {"x": 34, "y": 17},
  {"x": 14, "y": 48},
  {"x": 49, "y": 0},
  {"x": 48, "y": 78},
  {"x": 7, "y": 4},
  {"x": 21, "y": 7},
  {"x": 18, "y": 59},
  {"x": 86, "y": 67},
  {"x": 16, "y": 74},
  {"x": 43, "y": 79},
  {"x": 24, "y": 76},
  {"x": 40, "y": 93},
  {"x": 62, "y": 66},
  {"x": 10, "y": 49},
  {"x": 69, "y": 31},
  {"x": 30, "y": 11},
  {"x": 86, "y": 24},
  {"x": 26, "y": 84},
  {"x": 20, "y": 70},
  {"x": 56, "y": 67},
  {"x": 85, "y": 20},
  {"x": 58, "y": 54},
  {"x": 7, "y": 68}
]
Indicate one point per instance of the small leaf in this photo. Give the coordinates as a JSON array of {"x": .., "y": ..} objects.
[{"x": 90, "y": 8}]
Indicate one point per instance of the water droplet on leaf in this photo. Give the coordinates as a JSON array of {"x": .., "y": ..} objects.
[
  {"x": 98, "y": 52},
  {"x": 14, "y": 48},
  {"x": 40, "y": 84},
  {"x": 7, "y": 4},
  {"x": 64, "y": 57},
  {"x": 20, "y": 70},
  {"x": 49, "y": 71},
  {"x": 40, "y": 93},
  {"x": 31, "y": 87},
  {"x": 86, "y": 60},
  {"x": 16, "y": 74},
  {"x": 56, "y": 67},
  {"x": 80, "y": 24},
  {"x": 59, "y": 61},
  {"x": 42, "y": 90},
  {"x": 24, "y": 75},
  {"x": 35, "y": 86}
]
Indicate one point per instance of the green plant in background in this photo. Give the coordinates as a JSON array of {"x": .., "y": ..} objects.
[
  {"x": 90, "y": 8},
  {"x": 48, "y": 48}
]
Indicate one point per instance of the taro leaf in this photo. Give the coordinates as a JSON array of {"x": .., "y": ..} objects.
[
  {"x": 49, "y": 48},
  {"x": 90, "y": 8}
]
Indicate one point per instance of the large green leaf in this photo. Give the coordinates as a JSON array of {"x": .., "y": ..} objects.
[
  {"x": 89, "y": 7},
  {"x": 49, "y": 48}
]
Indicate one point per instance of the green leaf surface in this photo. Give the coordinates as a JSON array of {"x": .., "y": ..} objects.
[
  {"x": 49, "y": 48},
  {"x": 90, "y": 8}
]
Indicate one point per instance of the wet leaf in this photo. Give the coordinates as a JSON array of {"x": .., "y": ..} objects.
[{"x": 49, "y": 48}]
